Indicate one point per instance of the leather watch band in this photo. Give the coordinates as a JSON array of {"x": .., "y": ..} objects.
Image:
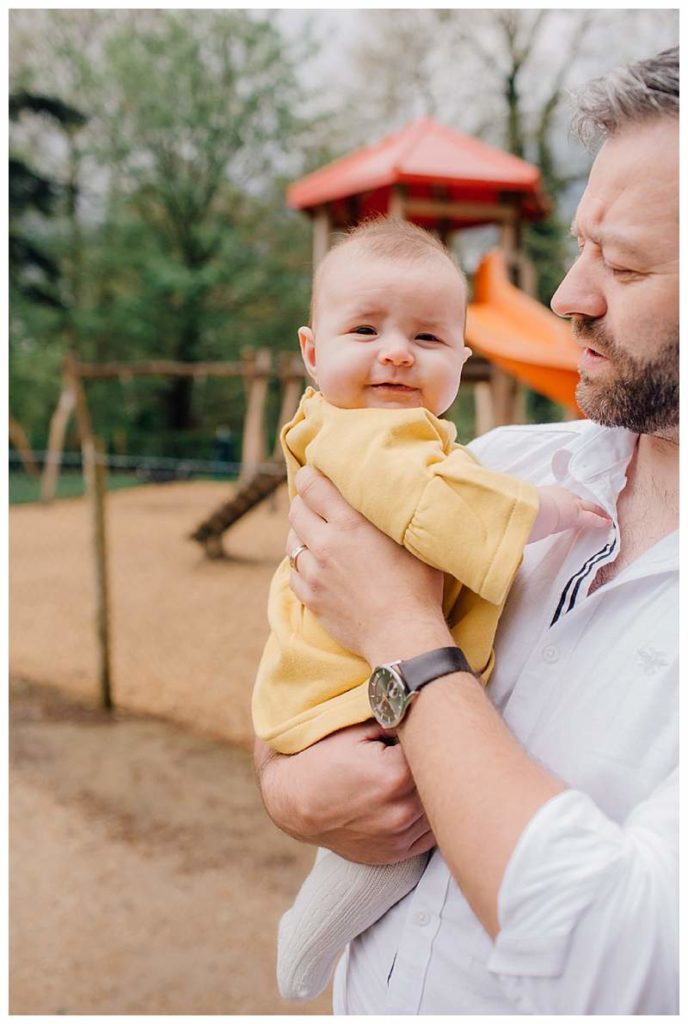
[{"x": 425, "y": 667}]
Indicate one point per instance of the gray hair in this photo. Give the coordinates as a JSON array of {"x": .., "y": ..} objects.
[{"x": 626, "y": 96}]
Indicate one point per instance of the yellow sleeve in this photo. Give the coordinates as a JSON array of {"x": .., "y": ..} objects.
[{"x": 401, "y": 471}]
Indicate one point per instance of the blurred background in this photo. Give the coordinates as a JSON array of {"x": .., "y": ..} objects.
[{"x": 158, "y": 275}]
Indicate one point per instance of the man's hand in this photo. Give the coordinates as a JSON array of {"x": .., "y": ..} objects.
[
  {"x": 354, "y": 578},
  {"x": 352, "y": 792}
]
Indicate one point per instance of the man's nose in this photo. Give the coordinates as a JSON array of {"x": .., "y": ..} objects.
[
  {"x": 396, "y": 350},
  {"x": 580, "y": 293}
]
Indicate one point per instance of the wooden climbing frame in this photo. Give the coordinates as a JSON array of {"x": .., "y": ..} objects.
[{"x": 255, "y": 367}]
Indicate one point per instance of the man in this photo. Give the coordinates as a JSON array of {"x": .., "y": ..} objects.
[{"x": 552, "y": 798}]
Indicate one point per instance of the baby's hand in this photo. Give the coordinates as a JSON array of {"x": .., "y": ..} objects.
[{"x": 562, "y": 510}]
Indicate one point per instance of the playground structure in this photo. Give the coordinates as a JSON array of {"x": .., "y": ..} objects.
[
  {"x": 255, "y": 368},
  {"x": 446, "y": 182},
  {"x": 258, "y": 477}
]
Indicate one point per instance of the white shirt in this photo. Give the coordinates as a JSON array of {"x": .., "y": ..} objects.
[{"x": 588, "y": 905}]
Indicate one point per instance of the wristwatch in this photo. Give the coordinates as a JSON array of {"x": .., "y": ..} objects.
[{"x": 392, "y": 687}]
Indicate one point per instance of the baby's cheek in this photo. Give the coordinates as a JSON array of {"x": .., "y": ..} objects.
[
  {"x": 446, "y": 390},
  {"x": 340, "y": 387}
]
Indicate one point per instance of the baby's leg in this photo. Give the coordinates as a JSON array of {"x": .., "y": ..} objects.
[{"x": 337, "y": 902}]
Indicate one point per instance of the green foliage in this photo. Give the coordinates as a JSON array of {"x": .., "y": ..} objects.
[
  {"x": 169, "y": 225},
  {"x": 34, "y": 273}
]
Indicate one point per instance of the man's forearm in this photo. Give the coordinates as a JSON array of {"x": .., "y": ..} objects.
[
  {"x": 478, "y": 787},
  {"x": 351, "y": 792}
]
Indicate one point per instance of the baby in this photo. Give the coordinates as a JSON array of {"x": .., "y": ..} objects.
[{"x": 386, "y": 349}]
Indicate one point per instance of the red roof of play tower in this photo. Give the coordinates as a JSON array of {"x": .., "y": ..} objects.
[{"x": 424, "y": 156}]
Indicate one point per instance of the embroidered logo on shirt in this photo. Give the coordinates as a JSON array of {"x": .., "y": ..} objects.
[{"x": 651, "y": 660}]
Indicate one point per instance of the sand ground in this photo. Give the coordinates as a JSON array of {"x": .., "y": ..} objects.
[{"x": 145, "y": 876}]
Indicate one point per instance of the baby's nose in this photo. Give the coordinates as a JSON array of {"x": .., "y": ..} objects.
[{"x": 396, "y": 351}]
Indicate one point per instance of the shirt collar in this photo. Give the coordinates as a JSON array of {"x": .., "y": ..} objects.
[{"x": 593, "y": 465}]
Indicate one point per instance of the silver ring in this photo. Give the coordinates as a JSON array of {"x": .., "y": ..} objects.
[{"x": 294, "y": 556}]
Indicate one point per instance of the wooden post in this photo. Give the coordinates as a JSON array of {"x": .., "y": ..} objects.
[
  {"x": 101, "y": 566},
  {"x": 83, "y": 419},
  {"x": 93, "y": 458},
  {"x": 17, "y": 437},
  {"x": 56, "y": 436},
  {"x": 484, "y": 408},
  {"x": 396, "y": 206},
  {"x": 508, "y": 398},
  {"x": 511, "y": 242},
  {"x": 257, "y": 366},
  {"x": 321, "y": 235},
  {"x": 527, "y": 276}
]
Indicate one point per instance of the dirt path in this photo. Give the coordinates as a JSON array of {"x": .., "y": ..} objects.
[
  {"x": 187, "y": 632},
  {"x": 145, "y": 876}
]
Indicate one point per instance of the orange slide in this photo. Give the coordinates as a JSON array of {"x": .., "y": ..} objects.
[{"x": 520, "y": 335}]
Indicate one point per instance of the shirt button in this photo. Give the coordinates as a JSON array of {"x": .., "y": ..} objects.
[
  {"x": 422, "y": 917},
  {"x": 550, "y": 654}
]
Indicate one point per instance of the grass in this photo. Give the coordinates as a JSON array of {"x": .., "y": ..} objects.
[{"x": 23, "y": 489}]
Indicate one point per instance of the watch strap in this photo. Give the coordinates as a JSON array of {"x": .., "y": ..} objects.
[{"x": 425, "y": 668}]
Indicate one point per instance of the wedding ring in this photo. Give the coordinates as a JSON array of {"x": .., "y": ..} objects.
[{"x": 294, "y": 556}]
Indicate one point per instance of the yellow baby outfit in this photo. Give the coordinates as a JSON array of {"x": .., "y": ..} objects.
[{"x": 402, "y": 470}]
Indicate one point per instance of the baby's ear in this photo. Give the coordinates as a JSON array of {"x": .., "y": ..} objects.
[
  {"x": 467, "y": 353},
  {"x": 307, "y": 343}
]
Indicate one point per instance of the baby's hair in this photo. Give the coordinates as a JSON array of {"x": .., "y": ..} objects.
[
  {"x": 393, "y": 237},
  {"x": 388, "y": 238}
]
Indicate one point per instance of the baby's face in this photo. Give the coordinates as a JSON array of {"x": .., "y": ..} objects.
[{"x": 387, "y": 333}]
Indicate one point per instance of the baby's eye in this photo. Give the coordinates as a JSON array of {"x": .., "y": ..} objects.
[
  {"x": 425, "y": 336},
  {"x": 364, "y": 329}
]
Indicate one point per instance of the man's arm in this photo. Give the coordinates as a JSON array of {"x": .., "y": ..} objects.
[
  {"x": 352, "y": 792},
  {"x": 479, "y": 788},
  {"x": 489, "y": 790}
]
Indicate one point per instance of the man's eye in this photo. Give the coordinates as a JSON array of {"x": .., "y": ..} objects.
[
  {"x": 364, "y": 329},
  {"x": 623, "y": 272},
  {"x": 427, "y": 337}
]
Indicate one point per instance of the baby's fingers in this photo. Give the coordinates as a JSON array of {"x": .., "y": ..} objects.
[{"x": 593, "y": 516}]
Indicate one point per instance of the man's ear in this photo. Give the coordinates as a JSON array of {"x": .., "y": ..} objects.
[{"x": 307, "y": 343}]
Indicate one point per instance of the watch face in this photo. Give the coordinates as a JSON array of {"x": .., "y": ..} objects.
[{"x": 388, "y": 696}]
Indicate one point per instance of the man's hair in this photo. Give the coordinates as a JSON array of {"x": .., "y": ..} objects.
[
  {"x": 388, "y": 238},
  {"x": 628, "y": 96}
]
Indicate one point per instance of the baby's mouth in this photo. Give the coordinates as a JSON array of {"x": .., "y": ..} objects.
[{"x": 394, "y": 386}]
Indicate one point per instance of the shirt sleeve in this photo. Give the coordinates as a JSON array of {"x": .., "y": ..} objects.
[{"x": 588, "y": 909}]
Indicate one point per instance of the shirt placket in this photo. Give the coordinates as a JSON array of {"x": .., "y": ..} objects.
[
  {"x": 411, "y": 964},
  {"x": 530, "y": 694}
]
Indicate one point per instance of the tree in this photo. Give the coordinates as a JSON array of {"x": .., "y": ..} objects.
[
  {"x": 502, "y": 75},
  {"x": 33, "y": 271},
  {"x": 179, "y": 242},
  {"x": 191, "y": 161},
  {"x": 36, "y": 275}
]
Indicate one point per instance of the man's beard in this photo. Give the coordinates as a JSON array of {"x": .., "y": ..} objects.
[{"x": 641, "y": 396}]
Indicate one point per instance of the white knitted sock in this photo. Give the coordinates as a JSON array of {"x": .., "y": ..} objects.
[{"x": 337, "y": 901}]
